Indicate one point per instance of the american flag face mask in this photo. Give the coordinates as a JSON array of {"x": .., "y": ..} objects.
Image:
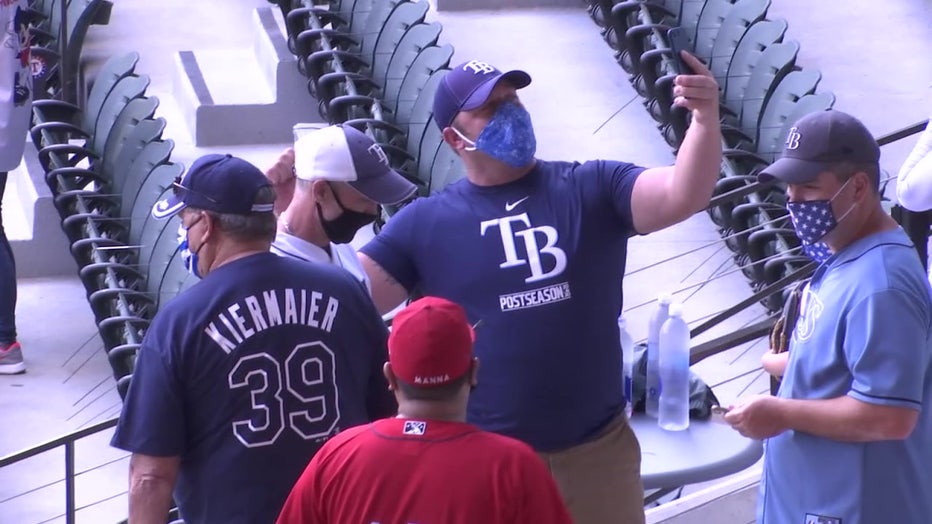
[{"x": 812, "y": 220}]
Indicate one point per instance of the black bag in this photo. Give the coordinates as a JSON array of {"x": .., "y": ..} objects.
[{"x": 701, "y": 397}]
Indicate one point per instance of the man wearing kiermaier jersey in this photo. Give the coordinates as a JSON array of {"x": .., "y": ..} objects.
[
  {"x": 427, "y": 465},
  {"x": 243, "y": 377}
]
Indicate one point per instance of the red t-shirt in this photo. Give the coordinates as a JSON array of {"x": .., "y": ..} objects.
[{"x": 406, "y": 471}]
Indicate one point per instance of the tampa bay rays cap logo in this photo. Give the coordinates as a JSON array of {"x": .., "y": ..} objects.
[
  {"x": 379, "y": 153},
  {"x": 479, "y": 67},
  {"x": 792, "y": 138}
]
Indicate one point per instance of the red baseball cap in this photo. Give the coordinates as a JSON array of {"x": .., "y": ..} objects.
[{"x": 431, "y": 343}]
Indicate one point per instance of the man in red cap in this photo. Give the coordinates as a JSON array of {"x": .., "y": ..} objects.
[{"x": 427, "y": 464}]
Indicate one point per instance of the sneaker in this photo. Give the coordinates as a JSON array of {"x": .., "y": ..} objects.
[{"x": 11, "y": 359}]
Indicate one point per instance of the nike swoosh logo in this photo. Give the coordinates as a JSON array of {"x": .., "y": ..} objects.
[{"x": 511, "y": 205}]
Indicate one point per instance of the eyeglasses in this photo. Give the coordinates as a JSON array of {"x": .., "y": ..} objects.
[{"x": 178, "y": 187}]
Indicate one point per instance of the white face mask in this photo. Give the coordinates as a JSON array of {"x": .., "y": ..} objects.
[{"x": 471, "y": 146}]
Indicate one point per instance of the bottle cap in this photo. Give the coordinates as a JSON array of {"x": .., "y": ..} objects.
[
  {"x": 676, "y": 310},
  {"x": 665, "y": 299}
]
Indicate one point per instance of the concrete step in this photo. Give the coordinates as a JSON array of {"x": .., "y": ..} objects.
[
  {"x": 32, "y": 224},
  {"x": 244, "y": 96}
]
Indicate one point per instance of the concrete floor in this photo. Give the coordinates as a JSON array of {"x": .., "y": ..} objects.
[{"x": 876, "y": 62}]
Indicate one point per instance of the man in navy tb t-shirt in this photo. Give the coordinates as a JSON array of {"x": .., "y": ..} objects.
[
  {"x": 243, "y": 377},
  {"x": 535, "y": 250}
]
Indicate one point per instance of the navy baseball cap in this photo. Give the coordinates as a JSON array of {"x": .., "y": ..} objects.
[
  {"x": 218, "y": 183},
  {"x": 467, "y": 86},
  {"x": 819, "y": 140},
  {"x": 345, "y": 154}
]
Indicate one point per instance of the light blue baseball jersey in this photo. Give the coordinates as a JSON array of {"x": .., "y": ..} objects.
[{"x": 865, "y": 331}]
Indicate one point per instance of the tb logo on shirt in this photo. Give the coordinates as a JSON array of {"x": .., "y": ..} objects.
[{"x": 531, "y": 237}]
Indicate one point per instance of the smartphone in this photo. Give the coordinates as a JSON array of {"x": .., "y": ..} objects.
[
  {"x": 718, "y": 414},
  {"x": 679, "y": 41}
]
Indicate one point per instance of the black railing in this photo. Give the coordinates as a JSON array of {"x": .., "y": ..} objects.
[{"x": 66, "y": 441}]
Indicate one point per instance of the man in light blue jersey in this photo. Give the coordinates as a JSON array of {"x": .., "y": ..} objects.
[{"x": 848, "y": 433}]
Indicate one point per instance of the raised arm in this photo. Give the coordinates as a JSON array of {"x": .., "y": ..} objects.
[
  {"x": 668, "y": 195},
  {"x": 281, "y": 175},
  {"x": 914, "y": 181},
  {"x": 387, "y": 293}
]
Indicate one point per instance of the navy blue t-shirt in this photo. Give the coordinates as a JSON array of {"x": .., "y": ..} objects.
[
  {"x": 540, "y": 262},
  {"x": 246, "y": 375}
]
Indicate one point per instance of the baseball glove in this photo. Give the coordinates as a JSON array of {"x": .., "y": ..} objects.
[{"x": 782, "y": 329}]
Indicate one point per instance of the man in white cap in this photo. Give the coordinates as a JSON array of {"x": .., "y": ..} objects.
[{"x": 342, "y": 177}]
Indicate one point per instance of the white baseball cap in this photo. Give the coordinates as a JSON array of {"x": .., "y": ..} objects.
[{"x": 345, "y": 154}]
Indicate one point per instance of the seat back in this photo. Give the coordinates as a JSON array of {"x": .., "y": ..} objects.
[
  {"x": 127, "y": 89},
  {"x": 354, "y": 12},
  {"x": 175, "y": 279},
  {"x": 793, "y": 99},
  {"x": 161, "y": 255},
  {"x": 421, "y": 100},
  {"x": 405, "y": 16},
  {"x": 447, "y": 168},
  {"x": 114, "y": 69},
  {"x": 153, "y": 154},
  {"x": 736, "y": 25},
  {"x": 362, "y": 10},
  {"x": 690, "y": 11},
  {"x": 758, "y": 38},
  {"x": 429, "y": 60},
  {"x": 713, "y": 15},
  {"x": 774, "y": 63},
  {"x": 136, "y": 111},
  {"x": 418, "y": 38},
  {"x": 376, "y": 22},
  {"x": 139, "y": 136},
  {"x": 425, "y": 155}
]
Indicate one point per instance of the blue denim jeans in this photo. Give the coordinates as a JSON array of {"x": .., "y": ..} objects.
[{"x": 7, "y": 280}]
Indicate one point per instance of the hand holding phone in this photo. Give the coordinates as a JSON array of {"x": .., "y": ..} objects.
[
  {"x": 718, "y": 414},
  {"x": 679, "y": 41}
]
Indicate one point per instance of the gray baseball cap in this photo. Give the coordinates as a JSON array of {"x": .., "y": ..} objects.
[{"x": 819, "y": 140}]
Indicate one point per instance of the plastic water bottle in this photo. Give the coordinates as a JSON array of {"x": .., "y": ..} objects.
[
  {"x": 627, "y": 365},
  {"x": 674, "y": 372},
  {"x": 653, "y": 353}
]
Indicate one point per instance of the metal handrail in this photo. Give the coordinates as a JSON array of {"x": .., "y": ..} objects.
[{"x": 68, "y": 442}]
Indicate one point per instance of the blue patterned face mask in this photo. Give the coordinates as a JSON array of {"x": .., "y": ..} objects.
[
  {"x": 812, "y": 220},
  {"x": 508, "y": 137},
  {"x": 188, "y": 258},
  {"x": 819, "y": 252}
]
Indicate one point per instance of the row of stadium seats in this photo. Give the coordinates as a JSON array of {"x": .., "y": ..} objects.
[
  {"x": 375, "y": 65},
  {"x": 106, "y": 164},
  {"x": 763, "y": 91}
]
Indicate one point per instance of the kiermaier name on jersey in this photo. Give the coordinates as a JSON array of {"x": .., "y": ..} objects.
[{"x": 268, "y": 309}]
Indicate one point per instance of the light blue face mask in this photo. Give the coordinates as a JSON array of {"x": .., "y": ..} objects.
[
  {"x": 188, "y": 258},
  {"x": 508, "y": 137}
]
